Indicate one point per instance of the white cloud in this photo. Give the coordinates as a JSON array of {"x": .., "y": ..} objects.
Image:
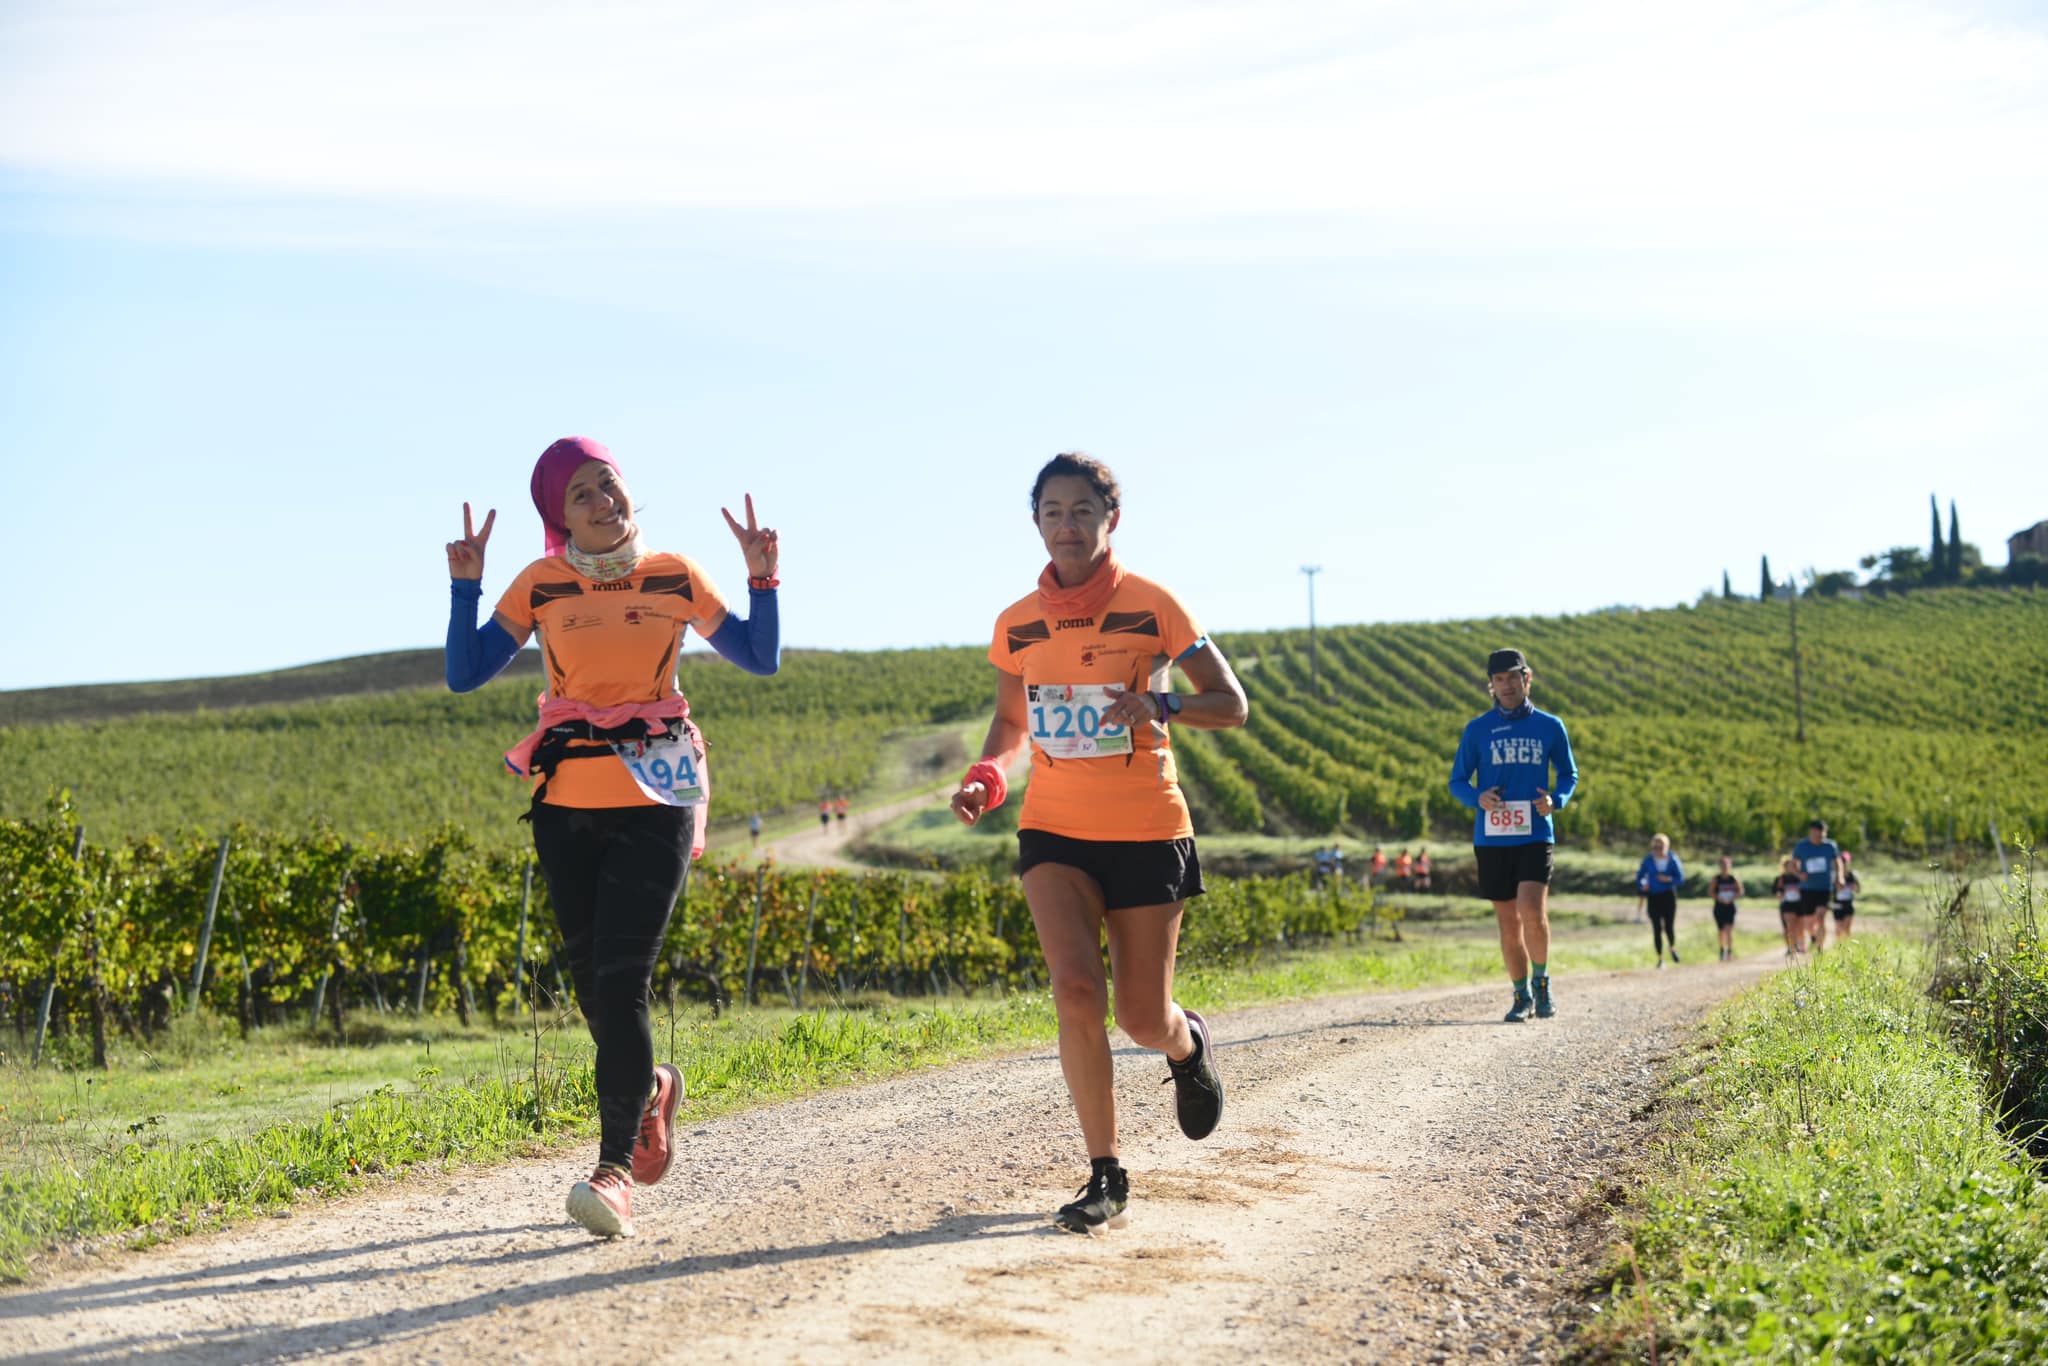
[
  {"x": 1641, "y": 124},
  {"x": 1871, "y": 160}
]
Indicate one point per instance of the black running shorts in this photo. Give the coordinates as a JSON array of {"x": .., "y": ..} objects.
[
  {"x": 1129, "y": 872},
  {"x": 1724, "y": 916},
  {"x": 1812, "y": 902},
  {"x": 1503, "y": 868},
  {"x": 1844, "y": 910}
]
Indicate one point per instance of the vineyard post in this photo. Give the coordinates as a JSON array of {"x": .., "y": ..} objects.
[
  {"x": 333, "y": 947},
  {"x": 35, "y": 1055},
  {"x": 902, "y": 941},
  {"x": 2004, "y": 868},
  {"x": 96, "y": 1006},
  {"x": 803, "y": 965},
  {"x": 419, "y": 994},
  {"x": 519, "y": 960},
  {"x": 754, "y": 935},
  {"x": 220, "y": 868}
]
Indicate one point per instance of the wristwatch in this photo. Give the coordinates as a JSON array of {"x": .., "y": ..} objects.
[{"x": 1169, "y": 706}]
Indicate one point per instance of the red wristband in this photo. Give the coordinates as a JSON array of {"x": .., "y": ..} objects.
[{"x": 990, "y": 775}]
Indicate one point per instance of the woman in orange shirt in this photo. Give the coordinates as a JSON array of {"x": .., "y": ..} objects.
[
  {"x": 618, "y": 766},
  {"x": 1104, "y": 840}
]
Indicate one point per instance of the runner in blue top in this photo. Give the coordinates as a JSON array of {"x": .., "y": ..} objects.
[
  {"x": 1503, "y": 773},
  {"x": 1658, "y": 881},
  {"x": 1820, "y": 863}
]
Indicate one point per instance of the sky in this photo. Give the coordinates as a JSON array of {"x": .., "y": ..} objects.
[{"x": 1485, "y": 309}]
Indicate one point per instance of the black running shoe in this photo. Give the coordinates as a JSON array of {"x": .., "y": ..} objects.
[
  {"x": 1541, "y": 989},
  {"x": 1197, "y": 1089},
  {"x": 1519, "y": 1011},
  {"x": 1099, "y": 1204}
]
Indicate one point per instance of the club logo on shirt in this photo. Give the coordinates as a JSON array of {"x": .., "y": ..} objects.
[
  {"x": 632, "y": 616},
  {"x": 1518, "y": 749}
]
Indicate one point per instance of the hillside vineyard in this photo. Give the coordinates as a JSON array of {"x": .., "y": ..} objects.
[{"x": 1925, "y": 719}]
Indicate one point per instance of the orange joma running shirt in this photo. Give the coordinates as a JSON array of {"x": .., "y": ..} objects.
[
  {"x": 608, "y": 644},
  {"x": 1086, "y": 782}
]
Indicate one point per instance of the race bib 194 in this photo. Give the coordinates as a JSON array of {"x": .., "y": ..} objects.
[
  {"x": 667, "y": 770},
  {"x": 1066, "y": 721},
  {"x": 1511, "y": 818}
]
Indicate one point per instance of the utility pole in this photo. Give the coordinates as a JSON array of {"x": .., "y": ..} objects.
[
  {"x": 1314, "y": 688},
  {"x": 1798, "y": 677}
]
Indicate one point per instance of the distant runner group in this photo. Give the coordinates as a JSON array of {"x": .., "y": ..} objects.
[{"x": 1106, "y": 847}]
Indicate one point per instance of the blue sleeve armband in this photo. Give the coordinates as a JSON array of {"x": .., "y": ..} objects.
[
  {"x": 754, "y": 643},
  {"x": 476, "y": 654}
]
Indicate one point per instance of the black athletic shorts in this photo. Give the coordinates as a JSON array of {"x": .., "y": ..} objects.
[
  {"x": 1786, "y": 908},
  {"x": 1812, "y": 902},
  {"x": 1503, "y": 868},
  {"x": 1844, "y": 909},
  {"x": 1724, "y": 915},
  {"x": 1129, "y": 872}
]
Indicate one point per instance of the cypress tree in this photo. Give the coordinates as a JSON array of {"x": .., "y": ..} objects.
[
  {"x": 1727, "y": 593},
  {"x": 1955, "y": 546},
  {"x": 1937, "y": 559},
  {"x": 1766, "y": 593}
]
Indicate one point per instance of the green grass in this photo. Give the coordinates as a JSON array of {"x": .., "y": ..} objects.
[
  {"x": 1837, "y": 1190},
  {"x": 211, "y": 1127}
]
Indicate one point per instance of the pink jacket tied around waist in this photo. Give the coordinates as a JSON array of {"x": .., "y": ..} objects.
[{"x": 555, "y": 710}]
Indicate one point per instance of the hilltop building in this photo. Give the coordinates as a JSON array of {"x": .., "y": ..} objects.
[{"x": 2032, "y": 541}]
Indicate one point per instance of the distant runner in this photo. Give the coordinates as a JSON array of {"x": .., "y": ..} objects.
[
  {"x": 1845, "y": 900},
  {"x": 1511, "y": 750},
  {"x": 1104, "y": 839},
  {"x": 1820, "y": 863},
  {"x": 1789, "y": 887},
  {"x": 620, "y": 790},
  {"x": 1658, "y": 880},
  {"x": 839, "y": 811},
  {"x": 1376, "y": 869},
  {"x": 1422, "y": 871},
  {"x": 1404, "y": 868},
  {"x": 1726, "y": 889}
]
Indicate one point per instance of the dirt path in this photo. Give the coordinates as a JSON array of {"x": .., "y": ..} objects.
[
  {"x": 1398, "y": 1178},
  {"x": 817, "y": 846}
]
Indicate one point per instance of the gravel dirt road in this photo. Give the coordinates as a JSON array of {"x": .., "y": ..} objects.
[{"x": 1397, "y": 1178}]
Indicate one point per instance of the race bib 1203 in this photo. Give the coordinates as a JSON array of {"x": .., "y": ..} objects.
[
  {"x": 1511, "y": 818},
  {"x": 1066, "y": 721},
  {"x": 668, "y": 770}
]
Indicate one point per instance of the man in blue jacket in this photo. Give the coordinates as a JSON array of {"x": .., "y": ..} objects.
[{"x": 1503, "y": 773}]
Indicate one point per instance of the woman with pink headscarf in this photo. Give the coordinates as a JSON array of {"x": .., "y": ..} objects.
[{"x": 617, "y": 765}]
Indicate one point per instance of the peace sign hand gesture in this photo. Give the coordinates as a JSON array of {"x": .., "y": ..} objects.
[
  {"x": 758, "y": 543},
  {"x": 466, "y": 556}
]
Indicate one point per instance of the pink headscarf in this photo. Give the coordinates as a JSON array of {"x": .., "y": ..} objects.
[{"x": 551, "y": 475}]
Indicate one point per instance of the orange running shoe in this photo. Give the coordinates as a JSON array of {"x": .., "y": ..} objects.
[
  {"x": 656, "y": 1146},
  {"x": 604, "y": 1203}
]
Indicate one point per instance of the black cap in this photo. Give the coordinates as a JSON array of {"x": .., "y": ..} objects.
[{"x": 1503, "y": 661}]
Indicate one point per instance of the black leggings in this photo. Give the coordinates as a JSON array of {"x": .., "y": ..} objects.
[
  {"x": 1664, "y": 919},
  {"x": 614, "y": 874}
]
